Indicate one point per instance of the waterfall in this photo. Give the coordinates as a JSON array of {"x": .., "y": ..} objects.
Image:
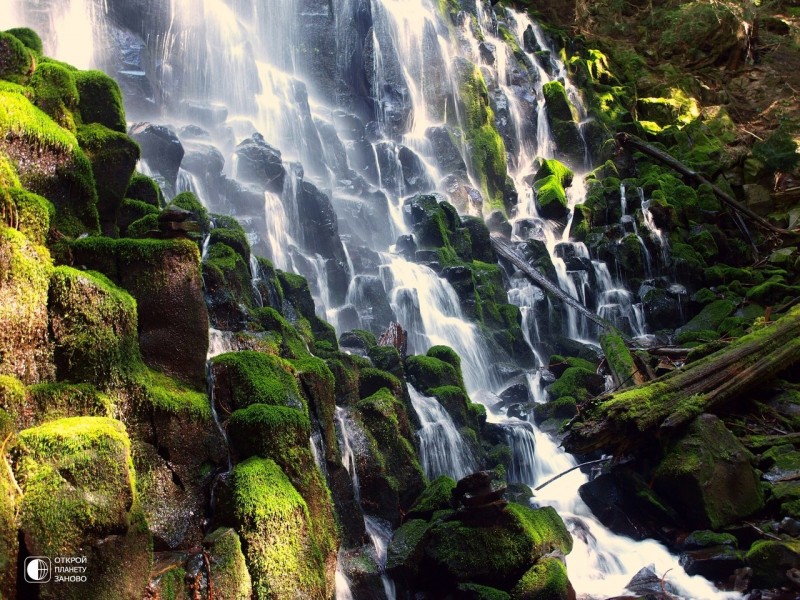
[
  {"x": 354, "y": 120},
  {"x": 442, "y": 449}
]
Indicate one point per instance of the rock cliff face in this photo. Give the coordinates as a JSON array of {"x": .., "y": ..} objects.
[{"x": 284, "y": 360}]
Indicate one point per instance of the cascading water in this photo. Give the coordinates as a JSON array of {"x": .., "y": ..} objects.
[
  {"x": 441, "y": 447},
  {"x": 362, "y": 134}
]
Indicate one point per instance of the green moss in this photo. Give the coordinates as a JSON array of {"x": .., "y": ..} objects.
[
  {"x": 50, "y": 401},
  {"x": 500, "y": 553},
  {"x": 55, "y": 92},
  {"x": 619, "y": 359},
  {"x": 770, "y": 561},
  {"x": 546, "y": 580},
  {"x": 437, "y": 496},
  {"x": 141, "y": 228},
  {"x": 574, "y": 382},
  {"x": 551, "y": 198},
  {"x": 427, "y": 372},
  {"x": 15, "y": 59},
  {"x": 387, "y": 358},
  {"x": 227, "y": 277},
  {"x": 172, "y": 396},
  {"x": 228, "y": 231},
  {"x": 711, "y": 317},
  {"x": 555, "y": 97},
  {"x": 33, "y": 213},
  {"x": 292, "y": 345},
  {"x": 487, "y": 151},
  {"x": 78, "y": 479},
  {"x": 274, "y": 523},
  {"x": 268, "y": 431},
  {"x": 228, "y": 567},
  {"x": 142, "y": 188},
  {"x": 24, "y": 278},
  {"x": 100, "y": 100},
  {"x": 12, "y": 395},
  {"x": 371, "y": 380},
  {"x": 94, "y": 327},
  {"x": 708, "y": 539},
  {"x": 473, "y": 591},
  {"x": 20, "y": 118},
  {"x": 369, "y": 339},
  {"x": 256, "y": 378},
  {"x": 113, "y": 156},
  {"x": 28, "y": 37},
  {"x": 405, "y": 551}
]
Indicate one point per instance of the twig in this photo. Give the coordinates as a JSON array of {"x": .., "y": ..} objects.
[
  {"x": 560, "y": 475},
  {"x": 663, "y": 586},
  {"x": 762, "y": 532}
]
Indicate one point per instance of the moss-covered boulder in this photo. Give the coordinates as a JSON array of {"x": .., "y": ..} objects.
[
  {"x": 249, "y": 377},
  {"x": 546, "y": 580},
  {"x": 113, "y": 156},
  {"x": 9, "y": 500},
  {"x": 100, "y": 100},
  {"x": 93, "y": 325},
  {"x": 80, "y": 499},
  {"x": 712, "y": 485},
  {"x": 144, "y": 189},
  {"x": 577, "y": 382},
  {"x": 771, "y": 560},
  {"x": 563, "y": 127},
  {"x": 55, "y": 92},
  {"x": 268, "y": 431},
  {"x": 437, "y": 496},
  {"x": 50, "y": 401},
  {"x": 164, "y": 278},
  {"x": 390, "y": 474},
  {"x": 50, "y": 162},
  {"x": 428, "y": 372},
  {"x": 228, "y": 566},
  {"x": 28, "y": 37},
  {"x": 277, "y": 533},
  {"x": 16, "y": 62},
  {"x": 495, "y": 554},
  {"x": 34, "y": 214},
  {"x": 25, "y": 270},
  {"x": 548, "y": 185}
]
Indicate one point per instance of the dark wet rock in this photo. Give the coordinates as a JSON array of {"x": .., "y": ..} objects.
[
  {"x": 445, "y": 149},
  {"x": 161, "y": 149},
  {"x": 209, "y": 115},
  {"x": 498, "y": 223},
  {"x": 406, "y": 246},
  {"x": 260, "y": 163},
  {"x": 716, "y": 563},
  {"x": 648, "y": 583}
]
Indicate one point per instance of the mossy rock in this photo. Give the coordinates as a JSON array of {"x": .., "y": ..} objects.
[
  {"x": 711, "y": 317},
  {"x": 100, "y": 100},
  {"x": 555, "y": 97},
  {"x": 28, "y": 37},
  {"x": 228, "y": 566},
  {"x": 456, "y": 402},
  {"x": 144, "y": 189},
  {"x": 546, "y": 580},
  {"x": 131, "y": 211},
  {"x": 34, "y": 214},
  {"x": 16, "y": 62},
  {"x": 372, "y": 380},
  {"x": 619, "y": 358},
  {"x": 164, "y": 278},
  {"x": 268, "y": 431},
  {"x": 9, "y": 497},
  {"x": 78, "y": 482},
  {"x": 93, "y": 325},
  {"x": 113, "y": 156},
  {"x": 55, "y": 92},
  {"x": 387, "y": 358},
  {"x": 276, "y": 530},
  {"x": 549, "y": 183},
  {"x": 578, "y": 383},
  {"x": 437, "y": 496},
  {"x": 406, "y": 550},
  {"x": 473, "y": 591},
  {"x": 318, "y": 383},
  {"x": 499, "y": 554},
  {"x": 712, "y": 485},
  {"x": 227, "y": 230},
  {"x": 427, "y": 372},
  {"x": 49, "y": 162},
  {"x": 770, "y": 560},
  {"x": 391, "y": 475},
  {"x": 25, "y": 270},
  {"x": 248, "y": 377},
  {"x": 51, "y": 401}
]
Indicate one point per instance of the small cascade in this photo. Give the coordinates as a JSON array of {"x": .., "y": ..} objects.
[
  {"x": 318, "y": 450},
  {"x": 219, "y": 342},
  {"x": 442, "y": 448},
  {"x": 419, "y": 296},
  {"x": 346, "y": 444},
  {"x": 255, "y": 278},
  {"x": 655, "y": 233},
  {"x": 625, "y": 219},
  {"x": 380, "y": 533},
  {"x": 616, "y": 304},
  {"x": 342, "y": 583},
  {"x": 521, "y": 439}
]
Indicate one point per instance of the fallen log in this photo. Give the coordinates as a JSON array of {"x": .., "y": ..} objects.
[
  {"x": 619, "y": 421},
  {"x": 626, "y": 139},
  {"x": 505, "y": 250}
]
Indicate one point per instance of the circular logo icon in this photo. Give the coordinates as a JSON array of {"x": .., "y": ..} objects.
[{"x": 37, "y": 569}]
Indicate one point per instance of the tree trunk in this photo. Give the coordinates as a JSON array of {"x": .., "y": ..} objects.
[{"x": 617, "y": 422}]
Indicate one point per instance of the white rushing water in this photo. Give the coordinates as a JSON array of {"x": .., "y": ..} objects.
[{"x": 441, "y": 447}]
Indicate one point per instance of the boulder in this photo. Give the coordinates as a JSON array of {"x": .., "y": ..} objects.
[
  {"x": 259, "y": 163},
  {"x": 711, "y": 485},
  {"x": 161, "y": 149}
]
